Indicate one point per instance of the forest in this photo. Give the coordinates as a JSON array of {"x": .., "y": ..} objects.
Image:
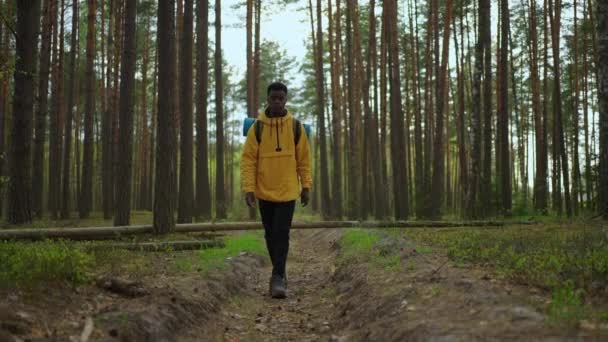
[
  {"x": 483, "y": 123},
  {"x": 418, "y": 111}
]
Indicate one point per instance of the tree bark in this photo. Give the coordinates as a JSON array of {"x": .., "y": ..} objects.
[
  {"x": 438, "y": 189},
  {"x": 555, "y": 17},
  {"x": 164, "y": 221},
  {"x": 376, "y": 167},
  {"x": 124, "y": 169},
  {"x": 602, "y": 34},
  {"x": 256, "y": 58},
  {"x": 186, "y": 195},
  {"x": 203, "y": 192},
  {"x": 143, "y": 150},
  {"x": 486, "y": 171},
  {"x": 4, "y": 101},
  {"x": 86, "y": 192},
  {"x": 325, "y": 198},
  {"x": 575, "y": 118},
  {"x": 397, "y": 135},
  {"x": 67, "y": 146},
  {"x": 504, "y": 170},
  {"x": 251, "y": 111},
  {"x": 42, "y": 109},
  {"x": 220, "y": 194},
  {"x": 55, "y": 139},
  {"x": 20, "y": 162},
  {"x": 336, "y": 107},
  {"x": 106, "y": 125}
]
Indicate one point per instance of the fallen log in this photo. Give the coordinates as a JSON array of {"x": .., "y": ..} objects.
[
  {"x": 104, "y": 233},
  {"x": 161, "y": 246}
]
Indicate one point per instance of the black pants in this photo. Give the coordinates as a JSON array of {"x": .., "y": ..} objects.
[{"x": 276, "y": 218}]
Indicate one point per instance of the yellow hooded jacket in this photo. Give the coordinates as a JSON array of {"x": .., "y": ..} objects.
[{"x": 271, "y": 168}]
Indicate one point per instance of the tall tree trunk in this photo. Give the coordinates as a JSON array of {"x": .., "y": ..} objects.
[
  {"x": 325, "y": 199},
  {"x": 4, "y": 102},
  {"x": 20, "y": 162},
  {"x": 397, "y": 135},
  {"x": 251, "y": 112},
  {"x": 256, "y": 58},
  {"x": 463, "y": 175},
  {"x": 376, "y": 167},
  {"x": 124, "y": 172},
  {"x": 249, "y": 72},
  {"x": 555, "y": 17},
  {"x": 164, "y": 205},
  {"x": 67, "y": 146},
  {"x": 186, "y": 196},
  {"x": 575, "y": 144},
  {"x": 336, "y": 107},
  {"x": 588, "y": 182},
  {"x": 418, "y": 155},
  {"x": 203, "y": 192},
  {"x": 442, "y": 94},
  {"x": 540, "y": 179},
  {"x": 106, "y": 126},
  {"x": 474, "y": 195},
  {"x": 179, "y": 16},
  {"x": 220, "y": 194},
  {"x": 55, "y": 119},
  {"x": 602, "y": 34},
  {"x": 423, "y": 210},
  {"x": 354, "y": 110},
  {"x": 486, "y": 172},
  {"x": 144, "y": 163},
  {"x": 118, "y": 41},
  {"x": 504, "y": 161},
  {"x": 361, "y": 96},
  {"x": 86, "y": 192},
  {"x": 153, "y": 121},
  {"x": 49, "y": 15}
]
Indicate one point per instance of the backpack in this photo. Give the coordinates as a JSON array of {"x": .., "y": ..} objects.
[{"x": 297, "y": 131}]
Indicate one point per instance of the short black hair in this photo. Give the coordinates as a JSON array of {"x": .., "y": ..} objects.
[{"x": 276, "y": 86}]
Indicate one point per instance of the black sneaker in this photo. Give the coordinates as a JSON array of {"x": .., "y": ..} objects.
[{"x": 278, "y": 288}]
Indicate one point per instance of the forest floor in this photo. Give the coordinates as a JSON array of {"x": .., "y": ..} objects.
[{"x": 344, "y": 285}]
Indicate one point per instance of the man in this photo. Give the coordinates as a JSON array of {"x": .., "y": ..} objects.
[{"x": 276, "y": 154}]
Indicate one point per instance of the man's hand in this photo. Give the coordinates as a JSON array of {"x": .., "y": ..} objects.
[
  {"x": 305, "y": 196},
  {"x": 250, "y": 199}
]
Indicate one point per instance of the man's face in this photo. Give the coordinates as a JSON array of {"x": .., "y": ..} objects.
[{"x": 276, "y": 101}]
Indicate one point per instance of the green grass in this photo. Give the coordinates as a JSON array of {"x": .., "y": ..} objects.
[
  {"x": 216, "y": 258},
  {"x": 544, "y": 257},
  {"x": 359, "y": 245},
  {"x": 565, "y": 260},
  {"x": 30, "y": 264},
  {"x": 566, "y": 305}
]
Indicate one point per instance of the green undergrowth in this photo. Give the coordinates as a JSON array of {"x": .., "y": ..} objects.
[
  {"x": 30, "y": 264},
  {"x": 571, "y": 260},
  {"x": 358, "y": 245},
  {"x": 217, "y": 257},
  {"x": 33, "y": 264}
]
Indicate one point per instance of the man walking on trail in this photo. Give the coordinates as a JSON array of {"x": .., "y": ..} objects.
[{"x": 275, "y": 156}]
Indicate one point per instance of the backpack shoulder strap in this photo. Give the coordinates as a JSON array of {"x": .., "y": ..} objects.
[
  {"x": 297, "y": 131},
  {"x": 258, "y": 131}
]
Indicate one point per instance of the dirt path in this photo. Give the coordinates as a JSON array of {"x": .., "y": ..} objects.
[
  {"x": 424, "y": 297},
  {"x": 307, "y": 312}
]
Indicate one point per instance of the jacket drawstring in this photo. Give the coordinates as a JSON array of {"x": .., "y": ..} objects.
[{"x": 278, "y": 149}]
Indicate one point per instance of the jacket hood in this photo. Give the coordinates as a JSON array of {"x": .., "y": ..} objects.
[{"x": 267, "y": 120}]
